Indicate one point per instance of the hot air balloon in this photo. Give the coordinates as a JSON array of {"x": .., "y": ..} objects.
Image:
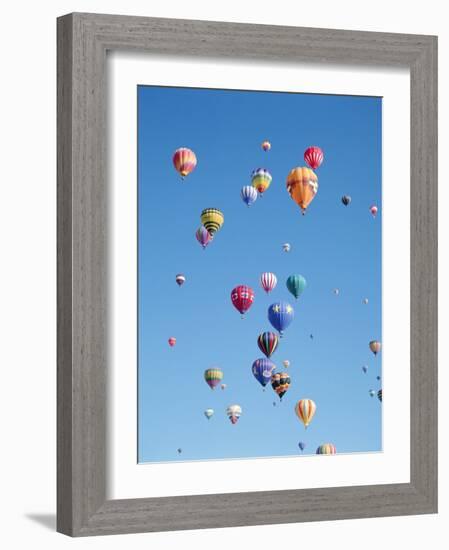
[
  {"x": 305, "y": 409},
  {"x": 242, "y": 298},
  {"x": 223, "y": 386},
  {"x": 180, "y": 279},
  {"x": 208, "y": 413},
  {"x": 346, "y": 199},
  {"x": 379, "y": 395},
  {"x": 184, "y": 161},
  {"x": 377, "y": 377},
  {"x": 280, "y": 382},
  {"x": 372, "y": 393},
  {"x": 267, "y": 342},
  {"x": 261, "y": 179},
  {"x": 326, "y": 449},
  {"x": 212, "y": 219},
  {"x": 296, "y": 285},
  {"x": 262, "y": 370},
  {"x": 336, "y": 291},
  {"x": 268, "y": 281},
  {"x": 286, "y": 247},
  {"x": 314, "y": 157},
  {"x": 266, "y": 145},
  {"x": 280, "y": 315},
  {"x": 203, "y": 236},
  {"x": 179, "y": 451},
  {"x": 249, "y": 195},
  {"x": 286, "y": 363},
  {"x": 365, "y": 300},
  {"x": 234, "y": 412},
  {"x": 171, "y": 341},
  {"x": 365, "y": 369},
  {"x": 213, "y": 377},
  {"x": 311, "y": 336},
  {"x": 373, "y": 210},
  {"x": 301, "y": 445},
  {"x": 375, "y": 346},
  {"x": 302, "y": 185}
]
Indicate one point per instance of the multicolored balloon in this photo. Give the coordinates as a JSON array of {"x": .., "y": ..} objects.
[
  {"x": 375, "y": 346},
  {"x": 208, "y": 413},
  {"x": 249, "y": 195},
  {"x": 280, "y": 315},
  {"x": 314, "y": 156},
  {"x": 171, "y": 341},
  {"x": 234, "y": 412},
  {"x": 180, "y": 279},
  {"x": 301, "y": 445},
  {"x": 267, "y": 342},
  {"x": 286, "y": 247},
  {"x": 326, "y": 449},
  {"x": 302, "y": 185},
  {"x": 184, "y": 161},
  {"x": 373, "y": 209},
  {"x": 305, "y": 410},
  {"x": 203, "y": 236},
  {"x": 268, "y": 281},
  {"x": 266, "y": 145},
  {"x": 242, "y": 298},
  {"x": 296, "y": 285},
  {"x": 280, "y": 382},
  {"x": 379, "y": 395},
  {"x": 212, "y": 219},
  {"x": 346, "y": 199},
  {"x": 213, "y": 377},
  {"x": 262, "y": 370},
  {"x": 286, "y": 363},
  {"x": 261, "y": 179}
]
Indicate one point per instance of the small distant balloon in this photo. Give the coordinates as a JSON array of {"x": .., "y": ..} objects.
[
  {"x": 266, "y": 145},
  {"x": 268, "y": 281},
  {"x": 372, "y": 393},
  {"x": 184, "y": 161},
  {"x": 365, "y": 369},
  {"x": 286, "y": 363},
  {"x": 208, "y": 413},
  {"x": 286, "y": 247},
  {"x": 203, "y": 236},
  {"x": 311, "y": 336},
  {"x": 223, "y": 386},
  {"x": 179, "y": 451},
  {"x": 346, "y": 199},
  {"x": 365, "y": 300},
  {"x": 180, "y": 279},
  {"x": 313, "y": 156},
  {"x": 379, "y": 395},
  {"x": 301, "y": 445},
  {"x": 172, "y": 341},
  {"x": 336, "y": 291},
  {"x": 248, "y": 194},
  {"x": 373, "y": 210},
  {"x": 234, "y": 412},
  {"x": 377, "y": 377},
  {"x": 375, "y": 346},
  {"x": 326, "y": 449},
  {"x": 213, "y": 377}
]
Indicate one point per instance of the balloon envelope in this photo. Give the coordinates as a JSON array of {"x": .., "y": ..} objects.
[
  {"x": 346, "y": 199},
  {"x": 313, "y": 156},
  {"x": 261, "y": 179},
  {"x": 296, "y": 285},
  {"x": 375, "y": 346},
  {"x": 301, "y": 445},
  {"x": 203, "y": 236},
  {"x": 268, "y": 281},
  {"x": 249, "y": 195},
  {"x": 262, "y": 370},
  {"x": 212, "y": 219},
  {"x": 267, "y": 342},
  {"x": 280, "y": 315},
  {"x": 208, "y": 413},
  {"x": 302, "y": 185},
  {"x": 280, "y": 382},
  {"x": 305, "y": 410},
  {"x": 184, "y": 161},
  {"x": 213, "y": 377},
  {"x": 234, "y": 412},
  {"x": 266, "y": 145},
  {"x": 242, "y": 298},
  {"x": 286, "y": 247},
  {"x": 171, "y": 341},
  {"x": 180, "y": 279},
  {"x": 326, "y": 449}
]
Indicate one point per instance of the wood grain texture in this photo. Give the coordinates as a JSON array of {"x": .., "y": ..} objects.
[{"x": 83, "y": 40}]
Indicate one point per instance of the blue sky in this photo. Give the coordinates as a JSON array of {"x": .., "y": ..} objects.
[{"x": 333, "y": 246}]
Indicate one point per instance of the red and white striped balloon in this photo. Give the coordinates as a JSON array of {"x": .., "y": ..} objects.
[
  {"x": 314, "y": 157},
  {"x": 268, "y": 281}
]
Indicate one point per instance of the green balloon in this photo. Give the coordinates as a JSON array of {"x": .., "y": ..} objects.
[{"x": 296, "y": 285}]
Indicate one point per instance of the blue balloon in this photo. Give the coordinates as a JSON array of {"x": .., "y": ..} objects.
[
  {"x": 262, "y": 370},
  {"x": 301, "y": 445},
  {"x": 248, "y": 194},
  {"x": 280, "y": 315}
]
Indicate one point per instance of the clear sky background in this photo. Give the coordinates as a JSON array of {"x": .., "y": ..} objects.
[{"x": 332, "y": 246}]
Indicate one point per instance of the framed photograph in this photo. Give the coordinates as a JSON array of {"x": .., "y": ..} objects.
[{"x": 247, "y": 258}]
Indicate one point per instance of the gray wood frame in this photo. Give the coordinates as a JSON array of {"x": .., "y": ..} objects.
[{"x": 83, "y": 40}]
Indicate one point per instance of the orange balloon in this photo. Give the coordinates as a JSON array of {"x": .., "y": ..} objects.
[{"x": 302, "y": 184}]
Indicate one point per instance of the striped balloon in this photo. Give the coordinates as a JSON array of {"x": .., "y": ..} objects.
[
  {"x": 326, "y": 449},
  {"x": 184, "y": 161},
  {"x": 261, "y": 179},
  {"x": 379, "y": 395},
  {"x": 213, "y": 377},
  {"x": 305, "y": 409},
  {"x": 313, "y": 156},
  {"x": 280, "y": 382},
  {"x": 249, "y": 195},
  {"x": 212, "y": 219},
  {"x": 375, "y": 346},
  {"x": 203, "y": 236},
  {"x": 267, "y": 342},
  {"x": 234, "y": 412},
  {"x": 262, "y": 370},
  {"x": 268, "y": 281}
]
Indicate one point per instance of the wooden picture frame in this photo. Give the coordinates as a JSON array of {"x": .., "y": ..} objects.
[{"x": 83, "y": 40}]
